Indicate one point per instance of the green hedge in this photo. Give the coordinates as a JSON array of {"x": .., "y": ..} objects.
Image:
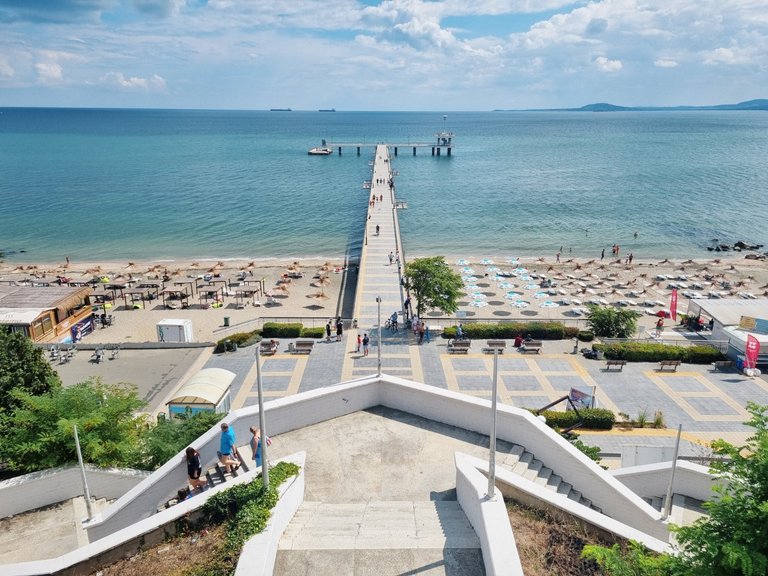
[
  {"x": 653, "y": 352},
  {"x": 280, "y": 330},
  {"x": 570, "y": 332},
  {"x": 241, "y": 339},
  {"x": 316, "y": 332},
  {"x": 508, "y": 330},
  {"x": 594, "y": 418},
  {"x": 585, "y": 336}
]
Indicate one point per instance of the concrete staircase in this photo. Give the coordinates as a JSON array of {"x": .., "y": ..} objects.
[
  {"x": 685, "y": 510},
  {"x": 356, "y": 537},
  {"x": 520, "y": 461}
]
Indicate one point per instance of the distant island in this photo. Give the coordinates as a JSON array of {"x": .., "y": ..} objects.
[{"x": 759, "y": 104}]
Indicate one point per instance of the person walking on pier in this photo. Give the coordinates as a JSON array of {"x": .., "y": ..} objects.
[
  {"x": 328, "y": 331},
  {"x": 391, "y": 258},
  {"x": 366, "y": 341},
  {"x": 339, "y": 329},
  {"x": 377, "y": 229}
]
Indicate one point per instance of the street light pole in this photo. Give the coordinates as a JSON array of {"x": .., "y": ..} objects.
[
  {"x": 262, "y": 424},
  {"x": 378, "y": 353},
  {"x": 86, "y": 492},
  {"x": 670, "y": 487},
  {"x": 492, "y": 453}
]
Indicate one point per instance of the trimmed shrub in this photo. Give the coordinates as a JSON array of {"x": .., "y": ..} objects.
[
  {"x": 508, "y": 330},
  {"x": 237, "y": 340},
  {"x": 585, "y": 336},
  {"x": 653, "y": 352},
  {"x": 281, "y": 330},
  {"x": 316, "y": 332},
  {"x": 571, "y": 332},
  {"x": 594, "y": 418}
]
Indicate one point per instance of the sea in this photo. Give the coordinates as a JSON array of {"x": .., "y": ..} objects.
[{"x": 125, "y": 184}]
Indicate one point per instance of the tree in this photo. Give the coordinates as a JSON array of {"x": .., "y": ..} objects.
[
  {"x": 162, "y": 442},
  {"x": 434, "y": 284},
  {"x": 22, "y": 367},
  {"x": 611, "y": 323},
  {"x": 733, "y": 539},
  {"x": 39, "y": 433}
]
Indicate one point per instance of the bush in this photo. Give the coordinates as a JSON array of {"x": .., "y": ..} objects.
[
  {"x": 594, "y": 418},
  {"x": 237, "y": 340},
  {"x": 585, "y": 336},
  {"x": 281, "y": 330},
  {"x": 316, "y": 332},
  {"x": 508, "y": 330},
  {"x": 571, "y": 332},
  {"x": 653, "y": 352}
]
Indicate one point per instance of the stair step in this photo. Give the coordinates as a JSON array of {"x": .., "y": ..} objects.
[
  {"x": 574, "y": 495},
  {"x": 564, "y": 488},
  {"x": 533, "y": 469},
  {"x": 522, "y": 465},
  {"x": 510, "y": 459},
  {"x": 554, "y": 482},
  {"x": 543, "y": 476}
]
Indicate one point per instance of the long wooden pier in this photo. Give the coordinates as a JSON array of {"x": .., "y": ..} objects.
[{"x": 443, "y": 141}]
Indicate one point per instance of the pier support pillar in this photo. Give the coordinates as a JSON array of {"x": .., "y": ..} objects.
[
  {"x": 395, "y": 150},
  {"x": 339, "y": 150},
  {"x": 414, "y": 150},
  {"x": 358, "y": 150},
  {"x": 433, "y": 150},
  {"x": 438, "y": 150},
  {"x": 449, "y": 151}
]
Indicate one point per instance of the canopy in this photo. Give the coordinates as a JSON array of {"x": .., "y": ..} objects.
[{"x": 209, "y": 386}]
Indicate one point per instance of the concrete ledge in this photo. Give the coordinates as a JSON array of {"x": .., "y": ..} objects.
[
  {"x": 259, "y": 553},
  {"x": 529, "y": 493},
  {"x": 651, "y": 480},
  {"x": 47, "y": 487},
  {"x": 489, "y": 518},
  {"x": 140, "y": 535}
]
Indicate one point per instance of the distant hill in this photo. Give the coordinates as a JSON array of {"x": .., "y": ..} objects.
[{"x": 759, "y": 104}]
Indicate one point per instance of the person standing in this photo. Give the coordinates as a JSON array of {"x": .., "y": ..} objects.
[
  {"x": 659, "y": 327},
  {"x": 557, "y": 258},
  {"x": 426, "y": 331},
  {"x": 391, "y": 258},
  {"x": 422, "y": 331},
  {"x": 366, "y": 340},
  {"x": 359, "y": 342},
  {"x": 602, "y": 254},
  {"x": 227, "y": 449},
  {"x": 328, "y": 331},
  {"x": 339, "y": 329},
  {"x": 256, "y": 444},
  {"x": 407, "y": 307}
]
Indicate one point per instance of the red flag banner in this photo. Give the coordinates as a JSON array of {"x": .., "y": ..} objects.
[
  {"x": 673, "y": 305},
  {"x": 752, "y": 351}
]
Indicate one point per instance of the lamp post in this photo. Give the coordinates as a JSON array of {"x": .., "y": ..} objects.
[
  {"x": 262, "y": 424},
  {"x": 492, "y": 446},
  {"x": 86, "y": 492},
  {"x": 378, "y": 352}
]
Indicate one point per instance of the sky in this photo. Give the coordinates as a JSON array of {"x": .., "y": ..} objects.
[{"x": 445, "y": 55}]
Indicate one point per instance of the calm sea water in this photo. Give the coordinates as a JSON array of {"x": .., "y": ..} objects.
[{"x": 160, "y": 184}]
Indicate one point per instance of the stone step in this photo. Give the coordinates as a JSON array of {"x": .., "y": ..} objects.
[{"x": 379, "y": 525}]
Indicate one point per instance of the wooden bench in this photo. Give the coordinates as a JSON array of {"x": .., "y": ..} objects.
[
  {"x": 301, "y": 346},
  {"x": 722, "y": 365},
  {"x": 673, "y": 364},
  {"x": 266, "y": 348},
  {"x": 459, "y": 346},
  {"x": 531, "y": 346},
  {"x": 614, "y": 364},
  {"x": 494, "y": 345}
]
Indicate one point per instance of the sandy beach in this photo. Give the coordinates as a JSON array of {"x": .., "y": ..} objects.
[{"x": 312, "y": 291}]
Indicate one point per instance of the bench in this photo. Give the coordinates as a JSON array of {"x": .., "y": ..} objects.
[
  {"x": 495, "y": 345},
  {"x": 531, "y": 346},
  {"x": 301, "y": 346},
  {"x": 722, "y": 365},
  {"x": 268, "y": 347},
  {"x": 673, "y": 364},
  {"x": 611, "y": 364},
  {"x": 459, "y": 346}
]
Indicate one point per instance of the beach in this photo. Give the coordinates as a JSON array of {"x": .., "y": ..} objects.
[{"x": 498, "y": 288}]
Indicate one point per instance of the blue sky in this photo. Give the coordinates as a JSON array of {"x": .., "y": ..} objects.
[{"x": 381, "y": 55}]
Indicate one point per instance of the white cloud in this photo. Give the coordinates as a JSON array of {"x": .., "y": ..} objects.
[
  {"x": 154, "y": 82},
  {"x": 665, "y": 63},
  {"x": 49, "y": 72},
  {"x": 606, "y": 65},
  {"x": 730, "y": 56},
  {"x": 6, "y": 70}
]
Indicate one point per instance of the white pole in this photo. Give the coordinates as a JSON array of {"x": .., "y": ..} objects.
[
  {"x": 262, "y": 424},
  {"x": 492, "y": 446},
  {"x": 378, "y": 353},
  {"x": 86, "y": 493},
  {"x": 668, "y": 502}
]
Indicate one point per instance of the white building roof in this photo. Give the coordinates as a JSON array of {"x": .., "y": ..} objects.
[
  {"x": 728, "y": 311},
  {"x": 20, "y": 316},
  {"x": 206, "y": 387}
]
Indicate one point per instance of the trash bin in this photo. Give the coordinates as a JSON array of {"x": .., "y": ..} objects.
[
  {"x": 740, "y": 363},
  {"x": 226, "y": 320}
]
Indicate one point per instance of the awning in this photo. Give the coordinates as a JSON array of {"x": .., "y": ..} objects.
[
  {"x": 20, "y": 316},
  {"x": 209, "y": 386}
]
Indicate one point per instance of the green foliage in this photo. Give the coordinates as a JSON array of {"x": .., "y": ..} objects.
[
  {"x": 39, "y": 434},
  {"x": 611, "y": 322},
  {"x": 594, "y": 418},
  {"x": 733, "y": 539},
  {"x": 654, "y": 352},
  {"x": 570, "y": 332},
  {"x": 434, "y": 285},
  {"x": 241, "y": 339},
  {"x": 593, "y": 452},
  {"x": 23, "y": 367},
  {"x": 585, "y": 336},
  {"x": 635, "y": 560},
  {"x": 162, "y": 442},
  {"x": 316, "y": 332},
  {"x": 508, "y": 330},
  {"x": 281, "y": 330}
]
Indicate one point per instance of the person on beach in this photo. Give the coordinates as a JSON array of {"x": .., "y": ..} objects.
[
  {"x": 366, "y": 341},
  {"x": 227, "y": 449},
  {"x": 630, "y": 258},
  {"x": 602, "y": 254},
  {"x": 194, "y": 469},
  {"x": 328, "y": 331},
  {"x": 557, "y": 258}
]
